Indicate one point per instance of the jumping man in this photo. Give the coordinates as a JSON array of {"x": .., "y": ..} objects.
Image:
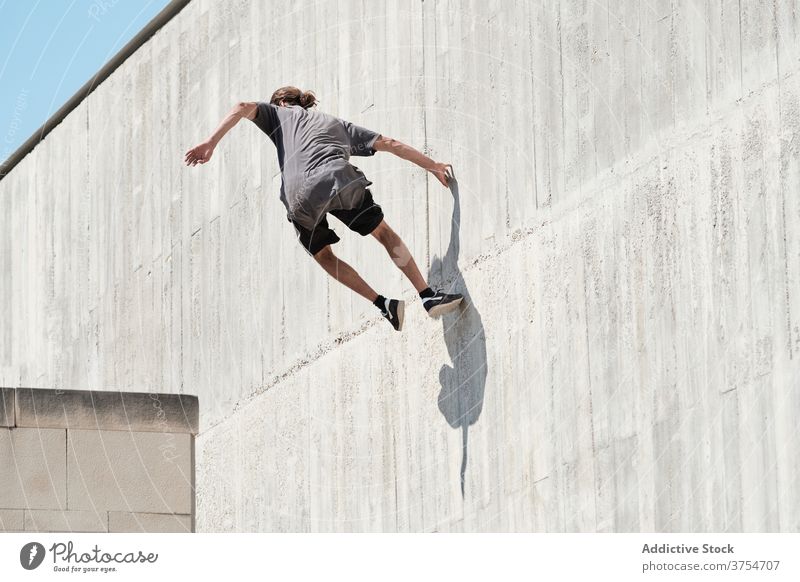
[{"x": 317, "y": 178}]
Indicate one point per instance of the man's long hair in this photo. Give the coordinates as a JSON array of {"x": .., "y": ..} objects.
[{"x": 294, "y": 96}]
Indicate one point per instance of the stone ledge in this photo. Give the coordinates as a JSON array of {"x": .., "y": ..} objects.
[
  {"x": 11, "y": 520},
  {"x": 97, "y": 409},
  {"x": 65, "y": 521},
  {"x": 123, "y": 521},
  {"x": 143, "y": 472},
  {"x": 6, "y": 407},
  {"x": 33, "y": 468}
]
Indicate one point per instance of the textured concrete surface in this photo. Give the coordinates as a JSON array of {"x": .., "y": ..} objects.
[{"x": 625, "y": 224}]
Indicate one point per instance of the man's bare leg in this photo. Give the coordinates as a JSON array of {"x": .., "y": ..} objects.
[
  {"x": 344, "y": 273},
  {"x": 400, "y": 254}
]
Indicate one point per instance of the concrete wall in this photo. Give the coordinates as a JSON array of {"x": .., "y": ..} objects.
[
  {"x": 625, "y": 224},
  {"x": 81, "y": 461}
]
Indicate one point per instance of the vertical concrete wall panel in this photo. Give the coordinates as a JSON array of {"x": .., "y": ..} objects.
[{"x": 723, "y": 52}]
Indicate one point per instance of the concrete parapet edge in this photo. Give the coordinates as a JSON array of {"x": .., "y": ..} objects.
[
  {"x": 101, "y": 410},
  {"x": 7, "y": 417}
]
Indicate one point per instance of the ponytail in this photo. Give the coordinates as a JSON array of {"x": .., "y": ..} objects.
[
  {"x": 308, "y": 99},
  {"x": 294, "y": 96}
]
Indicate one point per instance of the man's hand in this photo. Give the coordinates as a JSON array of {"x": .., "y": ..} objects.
[
  {"x": 443, "y": 172},
  {"x": 199, "y": 154}
]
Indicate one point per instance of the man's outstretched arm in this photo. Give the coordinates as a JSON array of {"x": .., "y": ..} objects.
[
  {"x": 201, "y": 153},
  {"x": 401, "y": 150}
]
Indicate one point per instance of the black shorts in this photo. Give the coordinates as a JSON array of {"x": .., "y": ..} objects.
[{"x": 362, "y": 220}]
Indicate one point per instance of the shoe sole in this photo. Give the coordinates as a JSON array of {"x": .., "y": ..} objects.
[
  {"x": 439, "y": 310},
  {"x": 401, "y": 309}
]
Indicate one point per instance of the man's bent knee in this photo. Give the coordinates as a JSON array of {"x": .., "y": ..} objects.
[
  {"x": 383, "y": 233},
  {"x": 394, "y": 245},
  {"x": 325, "y": 255}
]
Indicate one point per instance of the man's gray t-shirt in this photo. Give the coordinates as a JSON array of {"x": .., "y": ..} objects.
[{"x": 313, "y": 153}]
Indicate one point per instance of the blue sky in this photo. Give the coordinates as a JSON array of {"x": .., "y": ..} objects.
[{"x": 50, "y": 48}]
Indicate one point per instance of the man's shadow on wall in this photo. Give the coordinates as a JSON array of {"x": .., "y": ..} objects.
[{"x": 462, "y": 384}]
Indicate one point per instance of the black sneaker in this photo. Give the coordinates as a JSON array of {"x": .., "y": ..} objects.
[
  {"x": 393, "y": 311},
  {"x": 442, "y": 303}
]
